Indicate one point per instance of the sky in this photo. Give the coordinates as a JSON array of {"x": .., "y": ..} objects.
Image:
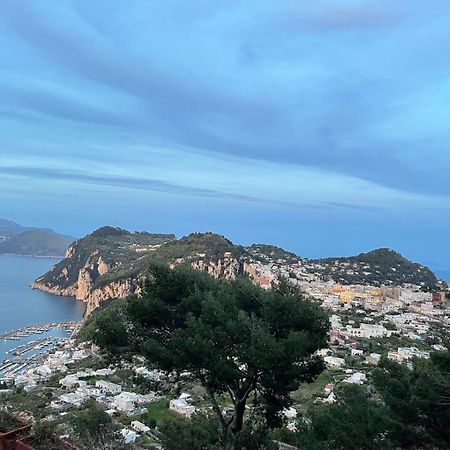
[{"x": 321, "y": 126}]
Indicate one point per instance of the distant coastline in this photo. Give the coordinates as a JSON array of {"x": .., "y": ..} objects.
[{"x": 33, "y": 256}]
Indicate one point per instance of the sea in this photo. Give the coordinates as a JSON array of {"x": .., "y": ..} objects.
[
  {"x": 22, "y": 306},
  {"x": 443, "y": 274}
]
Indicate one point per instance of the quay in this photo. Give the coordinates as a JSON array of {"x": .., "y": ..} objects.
[{"x": 38, "y": 329}]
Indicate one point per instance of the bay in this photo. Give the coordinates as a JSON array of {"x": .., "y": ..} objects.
[{"x": 22, "y": 306}]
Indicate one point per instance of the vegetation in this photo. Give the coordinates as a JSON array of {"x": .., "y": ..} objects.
[
  {"x": 44, "y": 437},
  {"x": 8, "y": 422},
  {"x": 385, "y": 267},
  {"x": 94, "y": 428},
  {"x": 35, "y": 243},
  {"x": 128, "y": 255},
  {"x": 408, "y": 409},
  {"x": 158, "y": 412},
  {"x": 236, "y": 339},
  {"x": 266, "y": 253},
  {"x": 116, "y": 247},
  {"x": 200, "y": 433}
]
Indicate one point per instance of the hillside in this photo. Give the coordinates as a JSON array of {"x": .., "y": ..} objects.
[
  {"x": 105, "y": 251},
  {"x": 111, "y": 262},
  {"x": 35, "y": 243},
  {"x": 10, "y": 228},
  {"x": 16, "y": 239},
  {"x": 266, "y": 253},
  {"x": 378, "y": 267}
]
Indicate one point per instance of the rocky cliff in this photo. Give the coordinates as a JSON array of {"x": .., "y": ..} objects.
[
  {"x": 88, "y": 262},
  {"x": 111, "y": 263}
]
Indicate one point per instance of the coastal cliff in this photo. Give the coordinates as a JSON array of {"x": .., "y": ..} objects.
[{"x": 111, "y": 263}]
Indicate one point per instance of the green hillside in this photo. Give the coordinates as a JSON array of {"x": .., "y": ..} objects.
[
  {"x": 35, "y": 243},
  {"x": 380, "y": 266}
]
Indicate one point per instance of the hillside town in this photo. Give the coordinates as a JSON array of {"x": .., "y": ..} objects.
[{"x": 367, "y": 323}]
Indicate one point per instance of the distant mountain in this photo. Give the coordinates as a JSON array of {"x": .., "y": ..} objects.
[
  {"x": 16, "y": 239},
  {"x": 380, "y": 266},
  {"x": 111, "y": 262},
  {"x": 10, "y": 228},
  {"x": 35, "y": 243}
]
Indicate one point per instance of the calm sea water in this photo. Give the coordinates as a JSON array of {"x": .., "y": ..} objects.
[
  {"x": 22, "y": 306},
  {"x": 443, "y": 274}
]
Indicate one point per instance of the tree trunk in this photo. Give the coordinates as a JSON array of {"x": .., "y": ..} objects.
[
  {"x": 223, "y": 432},
  {"x": 238, "y": 420}
]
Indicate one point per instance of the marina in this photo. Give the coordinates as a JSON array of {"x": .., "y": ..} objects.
[
  {"x": 22, "y": 357},
  {"x": 37, "y": 329}
]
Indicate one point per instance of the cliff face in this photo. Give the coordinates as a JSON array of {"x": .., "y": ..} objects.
[
  {"x": 84, "y": 271},
  {"x": 111, "y": 263}
]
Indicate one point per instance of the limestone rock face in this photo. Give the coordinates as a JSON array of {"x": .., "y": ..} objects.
[
  {"x": 82, "y": 288},
  {"x": 70, "y": 251},
  {"x": 85, "y": 289},
  {"x": 84, "y": 284},
  {"x": 116, "y": 289},
  {"x": 228, "y": 268},
  {"x": 102, "y": 267}
]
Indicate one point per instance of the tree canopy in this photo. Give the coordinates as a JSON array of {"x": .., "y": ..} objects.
[
  {"x": 236, "y": 339},
  {"x": 406, "y": 407}
]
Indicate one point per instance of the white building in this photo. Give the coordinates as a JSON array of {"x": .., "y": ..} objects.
[
  {"x": 139, "y": 426},
  {"x": 73, "y": 398},
  {"x": 108, "y": 388},
  {"x": 333, "y": 361},
  {"x": 129, "y": 436},
  {"x": 181, "y": 407},
  {"x": 69, "y": 381},
  {"x": 125, "y": 401},
  {"x": 407, "y": 353},
  {"x": 356, "y": 352},
  {"x": 373, "y": 359},
  {"x": 368, "y": 330},
  {"x": 356, "y": 378}
]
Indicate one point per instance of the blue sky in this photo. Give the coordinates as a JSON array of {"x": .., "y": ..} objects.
[{"x": 322, "y": 126}]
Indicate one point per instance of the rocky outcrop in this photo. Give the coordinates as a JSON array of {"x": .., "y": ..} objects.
[
  {"x": 86, "y": 290},
  {"x": 110, "y": 263},
  {"x": 116, "y": 289},
  {"x": 228, "y": 268}
]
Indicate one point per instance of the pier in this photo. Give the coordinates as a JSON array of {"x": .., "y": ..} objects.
[{"x": 38, "y": 329}]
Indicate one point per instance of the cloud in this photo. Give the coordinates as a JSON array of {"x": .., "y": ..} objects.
[
  {"x": 325, "y": 15},
  {"x": 119, "y": 182},
  {"x": 237, "y": 81}
]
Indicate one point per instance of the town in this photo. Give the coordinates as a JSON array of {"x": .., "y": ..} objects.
[{"x": 366, "y": 323}]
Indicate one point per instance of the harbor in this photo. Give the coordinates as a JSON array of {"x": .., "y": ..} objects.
[
  {"x": 27, "y": 347},
  {"x": 16, "y": 335}
]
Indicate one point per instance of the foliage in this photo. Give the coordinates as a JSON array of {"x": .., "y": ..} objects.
[
  {"x": 411, "y": 410},
  {"x": 381, "y": 262},
  {"x": 354, "y": 422},
  {"x": 8, "y": 422},
  {"x": 419, "y": 400},
  {"x": 234, "y": 337},
  {"x": 267, "y": 253},
  {"x": 53, "y": 381},
  {"x": 199, "y": 433},
  {"x": 94, "y": 428},
  {"x": 43, "y": 436},
  {"x": 115, "y": 247},
  {"x": 157, "y": 413}
]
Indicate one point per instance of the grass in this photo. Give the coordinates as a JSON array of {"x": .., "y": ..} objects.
[
  {"x": 158, "y": 412},
  {"x": 307, "y": 393},
  {"x": 53, "y": 381}
]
